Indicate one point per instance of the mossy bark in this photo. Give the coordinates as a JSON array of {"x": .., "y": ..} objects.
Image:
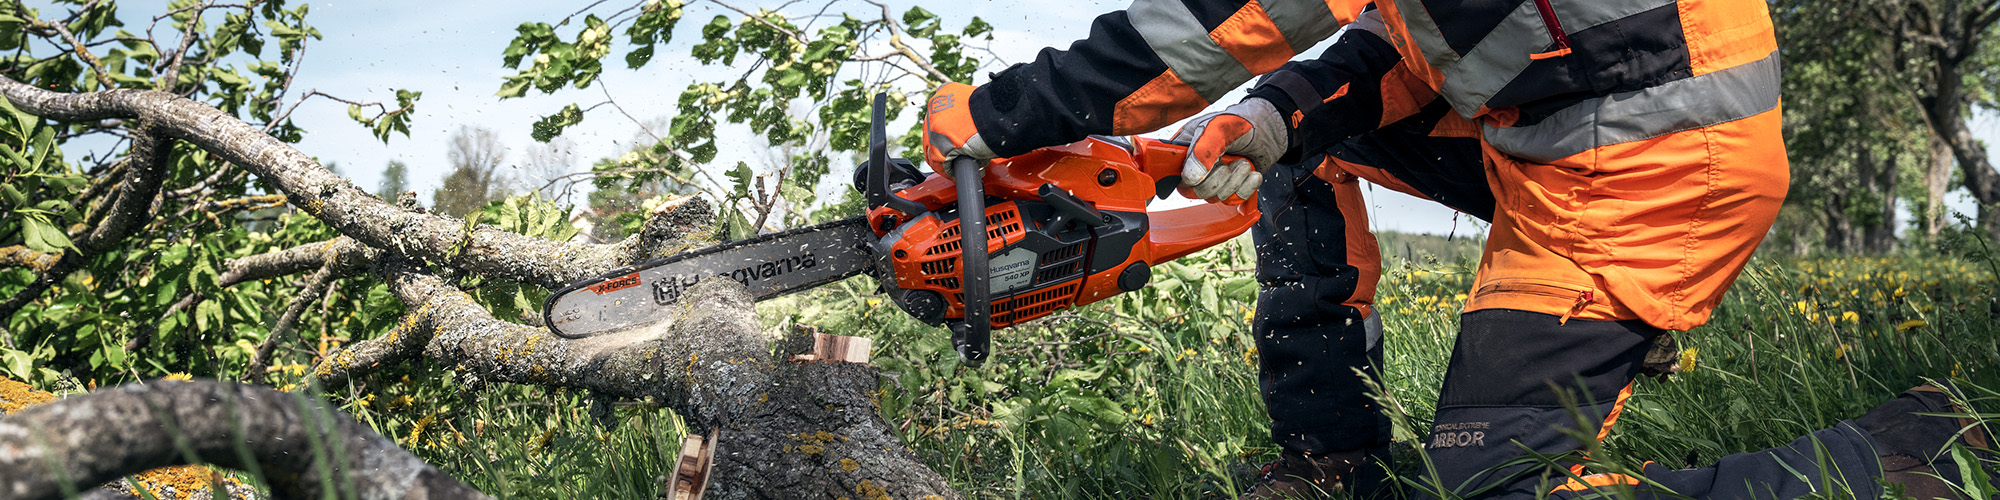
[{"x": 303, "y": 447}]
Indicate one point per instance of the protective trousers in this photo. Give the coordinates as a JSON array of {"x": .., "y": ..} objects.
[
  {"x": 1518, "y": 381},
  {"x": 1521, "y": 381},
  {"x": 1317, "y": 265}
]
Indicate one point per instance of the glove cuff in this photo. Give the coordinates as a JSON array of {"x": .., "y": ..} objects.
[{"x": 1293, "y": 97}]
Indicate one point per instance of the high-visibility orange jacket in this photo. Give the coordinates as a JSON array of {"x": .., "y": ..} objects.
[{"x": 1633, "y": 145}]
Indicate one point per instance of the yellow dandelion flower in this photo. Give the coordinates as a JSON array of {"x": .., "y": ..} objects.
[
  {"x": 1688, "y": 357},
  {"x": 1915, "y": 323},
  {"x": 416, "y": 437},
  {"x": 1850, "y": 317}
]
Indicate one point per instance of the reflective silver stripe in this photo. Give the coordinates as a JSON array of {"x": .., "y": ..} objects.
[
  {"x": 1495, "y": 60},
  {"x": 1425, "y": 33},
  {"x": 1579, "y": 16},
  {"x": 1723, "y": 96},
  {"x": 1303, "y": 22},
  {"x": 1371, "y": 22},
  {"x": 1180, "y": 41},
  {"x": 1373, "y": 327}
]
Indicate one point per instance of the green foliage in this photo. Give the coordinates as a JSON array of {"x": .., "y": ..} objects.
[
  {"x": 239, "y": 58},
  {"x": 805, "y": 89},
  {"x": 1154, "y": 393}
]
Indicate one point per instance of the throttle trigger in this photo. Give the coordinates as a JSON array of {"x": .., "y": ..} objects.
[{"x": 1165, "y": 186}]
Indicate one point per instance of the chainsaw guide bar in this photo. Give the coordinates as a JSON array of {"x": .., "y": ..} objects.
[{"x": 769, "y": 265}]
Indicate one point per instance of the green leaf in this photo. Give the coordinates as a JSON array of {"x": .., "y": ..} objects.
[
  {"x": 43, "y": 236},
  {"x": 14, "y": 196},
  {"x": 15, "y": 158},
  {"x": 515, "y": 87},
  {"x": 551, "y": 126},
  {"x": 1978, "y": 486},
  {"x": 638, "y": 57},
  {"x": 206, "y": 314},
  {"x": 741, "y": 177}
]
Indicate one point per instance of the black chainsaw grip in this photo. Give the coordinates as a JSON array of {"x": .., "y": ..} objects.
[{"x": 973, "y": 341}]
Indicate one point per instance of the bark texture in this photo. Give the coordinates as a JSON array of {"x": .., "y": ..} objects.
[
  {"x": 789, "y": 430},
  {"x": 786, "y": 430},
  {"x": 352, "y": 211},
  {"x": 303, "y": 447}
]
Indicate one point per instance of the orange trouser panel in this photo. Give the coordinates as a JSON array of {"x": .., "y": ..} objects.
[{"x": 1654, "y": 229}]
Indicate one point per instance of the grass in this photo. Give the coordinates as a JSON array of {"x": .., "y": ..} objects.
[{"x": 1153, "y": 394}]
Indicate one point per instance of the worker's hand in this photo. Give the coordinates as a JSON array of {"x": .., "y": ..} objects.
[
  {"x": 1251, "y": 129},
  {"x": 948, "y": 129}
]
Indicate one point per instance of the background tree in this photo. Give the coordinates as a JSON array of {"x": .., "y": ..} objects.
[
  {"x": 1878, "y": 99},
  {"x": 544, "y": 166},
  {"x": 1946, "y": 51},
  {"x": 1851, "y": 137},
  {"x": 475, "y": 179},
  {"x": 395, "y": 179}
]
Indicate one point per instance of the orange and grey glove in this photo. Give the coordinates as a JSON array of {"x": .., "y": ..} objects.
[
  {"x": 1252, "y": 129},
  {"x": 948, "y": 129}
]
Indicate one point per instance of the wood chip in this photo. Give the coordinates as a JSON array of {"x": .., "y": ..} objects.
[{"x": 697, "y": 461}]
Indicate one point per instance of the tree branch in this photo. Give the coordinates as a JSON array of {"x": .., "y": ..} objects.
[
  {"x": 346, "y": 208},
  {"x": 790, "y": 430},
  {"x": 348, "y": 257},
  {"x": 133, "y": 204},
  {"x": 896, "y": 40},
  {"x": 315, "y": 286},
  {"x": 170, "y": 78},
  {"x": 22, "y": 256},
  {"x": 87, "y": 440},
  {"x": 404, "y": 342},
  {"x": 83, "y": 52}
]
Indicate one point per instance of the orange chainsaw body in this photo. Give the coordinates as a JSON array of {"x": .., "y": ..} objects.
[{"x": 1045, "y": 253}]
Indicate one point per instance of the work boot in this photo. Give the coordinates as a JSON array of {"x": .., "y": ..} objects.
[
  {"x": 1295, "y": 476},
  {"x": 1913, "y": 447}
]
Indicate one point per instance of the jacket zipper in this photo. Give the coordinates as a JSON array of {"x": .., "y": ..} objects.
[
  {"x": 1555, "y": 31},
  {"x": 1580, "y": 299}
]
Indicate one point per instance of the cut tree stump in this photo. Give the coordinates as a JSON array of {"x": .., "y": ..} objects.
[{"x": 837, "y": 348}]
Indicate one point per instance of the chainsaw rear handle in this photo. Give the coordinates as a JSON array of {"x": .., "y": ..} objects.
[{"x": 1182, "y": 231}]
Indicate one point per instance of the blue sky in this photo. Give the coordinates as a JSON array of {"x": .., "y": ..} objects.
[{"x": 450, "y": 51}]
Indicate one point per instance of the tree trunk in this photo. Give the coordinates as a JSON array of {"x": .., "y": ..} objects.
[
  {"x": 1937, "y": 182},
  {"x": 1945, "y": 109},
  {"x": 788, "y": 430},
  {"x": 1839, "y": 227},
  {"x": 304, "y": 448},
  {"x": 1878, "y": 183}
]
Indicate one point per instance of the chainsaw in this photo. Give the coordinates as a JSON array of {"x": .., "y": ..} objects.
[{"x": 1063, "y": 226}]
